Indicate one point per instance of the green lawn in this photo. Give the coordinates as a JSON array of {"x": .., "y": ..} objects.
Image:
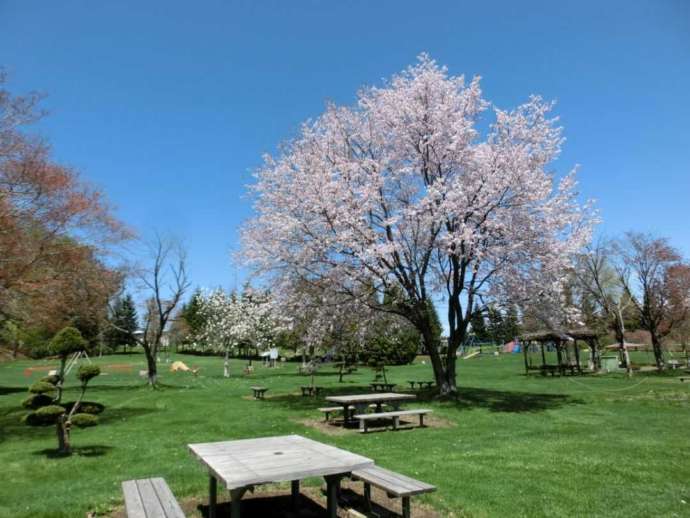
[{"x": 510, "y": 446}]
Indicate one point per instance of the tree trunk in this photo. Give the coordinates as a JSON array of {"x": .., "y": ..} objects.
[
  {"x": 620, "y": 337},
  {"x": 658, "y": 352},
  {"x": 152, "y": 368},
  {"x": 61, "y": 381},
  {"x": 62, "y": 427},
  {"x": 444, "y": 375},
  {"x": 226, "y": 363}
]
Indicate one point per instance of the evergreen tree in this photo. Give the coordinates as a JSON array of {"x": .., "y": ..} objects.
[
  {"x": 192, "y": 314},
  {"x": 496, "y": 326},
  {"x": 479, "y": 327},
  {"x": 124, "y": 324},
  {"x": 511, "y": 325}
]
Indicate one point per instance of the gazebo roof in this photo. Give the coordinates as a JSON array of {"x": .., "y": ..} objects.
[{"x": 553, "y": 335}]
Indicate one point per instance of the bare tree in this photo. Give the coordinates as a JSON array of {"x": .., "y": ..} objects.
[
  {"x": 653, "y": 278},
  {"x": 600, "y": 276},
  {"x": 166, "y": 282}
]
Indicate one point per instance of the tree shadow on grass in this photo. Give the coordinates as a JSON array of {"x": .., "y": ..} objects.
[
  {"x": 11, "y": 390},
  {"x": 12, "y": 427},
  {"x": 470, "y": 398},
  {"x": 92, "y": 450},
  {"x": 269, "y": 505},
  {"x": 295, "y": 401}
]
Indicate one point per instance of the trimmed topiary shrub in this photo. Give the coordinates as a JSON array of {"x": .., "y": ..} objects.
[
  {"x": 51, "y": 378},
  {"x": 49, "y": 414},
  {"x": 42, "y": 387},
  {"x": 86, "y": 373},
  {"x": 85, "y": 407},
  {"x": 66, "y": 342},
  {"x": 35, "y": 401},
  {"x": 48, "y": 411},
  {"x": 84, "y": 420}
]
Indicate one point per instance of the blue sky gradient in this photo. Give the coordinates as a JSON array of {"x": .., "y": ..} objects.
[{"x": 169, "y": 105}]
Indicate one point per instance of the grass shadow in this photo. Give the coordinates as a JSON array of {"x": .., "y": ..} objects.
[
  {"x": 469, "y": 398},
  {"x": 93, "y": 450},
  {"x": 295, "y": 401},
  {"x": 271, "y": 506},
  {"x": 12, "y": 390}
]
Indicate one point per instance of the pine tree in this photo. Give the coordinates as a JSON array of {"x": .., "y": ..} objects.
[
  {"x": 479, "y": 326},
  {"x": 511, "y": 325},
  {"x": 496, "y": 326},
  {"x": 124, "y": 324}
]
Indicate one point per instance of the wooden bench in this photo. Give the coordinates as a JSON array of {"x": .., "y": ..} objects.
[
  {"x": 310, "y": 391},
  {"x": 336, "y": 409},
  {"x": 382, "y": 387},
  {"x": 259, "y": 392},
  {"x": 149, "y": 497},
  {"x": 421, "y": 384},
  {"x": 395, "y": 415},
  {"x": 394, "y": 484}
]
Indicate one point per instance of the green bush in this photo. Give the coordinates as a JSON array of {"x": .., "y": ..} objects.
[
  {"x": 84, "y": 420},
  {"x": 44, "y": 416},
  {"x": 66, "y": 342},
  {"x": 397, "y": 348},
  {"x": 88, "y": 372},
  {"x": 51, "y": 378},
  {"x": 35, "y": 401},
  {"x": 42, "y": 387},
  {"x": 86, "y": 407}
]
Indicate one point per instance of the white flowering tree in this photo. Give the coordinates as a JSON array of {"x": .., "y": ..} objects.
[
  {"x": 405, "y": 190},
  {"x": 231, "y": 320}
]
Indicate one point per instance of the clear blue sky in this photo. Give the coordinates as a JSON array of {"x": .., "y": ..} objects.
[{"x": 168, "y": 105}]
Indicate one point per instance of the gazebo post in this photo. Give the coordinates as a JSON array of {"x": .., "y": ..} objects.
[
  {"x": 577, "y": 356},
  {"x": 524, "y": 354},
  {"x": 559, "y": 355},
  {"x": 543, "y": 354}
]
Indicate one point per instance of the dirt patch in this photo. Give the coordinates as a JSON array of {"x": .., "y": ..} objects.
[{"x": 274, "y": 502}]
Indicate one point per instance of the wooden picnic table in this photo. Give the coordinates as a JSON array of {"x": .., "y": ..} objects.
[
  {"x": 242, "y": 464},
  {"x": 359, "y": 402}
]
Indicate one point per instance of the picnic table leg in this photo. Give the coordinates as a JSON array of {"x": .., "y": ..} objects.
[
  {"x": 294, "y": 494},
  {"x": 332, "y": 489},
  {"x": 367, "y": 495},
  {"x": 212, "y": 494},
  {"x": 235, "y": 501},
  {"x": 406, "y": 507}
]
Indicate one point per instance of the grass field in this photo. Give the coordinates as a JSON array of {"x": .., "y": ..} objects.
[{"x": 510, "y": 446}]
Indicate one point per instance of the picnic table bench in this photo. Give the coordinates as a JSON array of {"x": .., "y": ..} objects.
[
  {"x": 395, "y": 415},
  {"x": 394, "y": 484},
  {"x": 421, "y": 384},
  {"x": 382, "y": 387},
  {"x": 150, "y": 497},
  {"x": 335, "y": 409},
  {"x": 310, "y": 391},
  {"x": 259, "y": 392}
]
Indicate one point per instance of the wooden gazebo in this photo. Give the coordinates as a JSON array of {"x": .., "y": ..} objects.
[{"x": 564, "y": 342}]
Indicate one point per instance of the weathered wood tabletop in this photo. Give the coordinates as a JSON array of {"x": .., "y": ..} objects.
[
  {"x": 377, "y": 397},
  {"x": 241, "y": 464}
]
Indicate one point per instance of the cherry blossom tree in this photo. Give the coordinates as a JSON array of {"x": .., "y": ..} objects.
[
  {"x": 231, "y": 320},
  {"x": 405, "y": 190}
]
